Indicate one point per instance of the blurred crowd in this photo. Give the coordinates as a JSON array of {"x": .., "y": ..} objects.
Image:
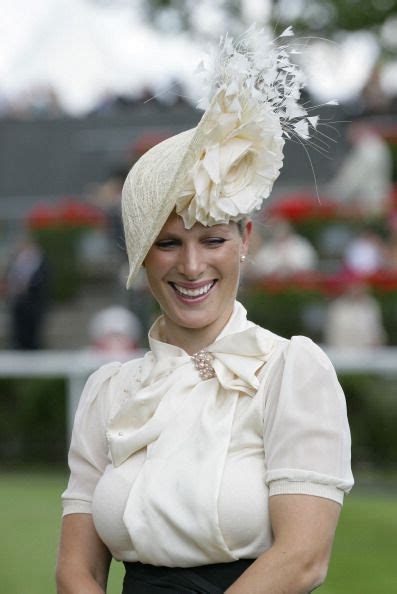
[
  {"x": 353, "y": 317},
  {"x": 42, "y": 101}
]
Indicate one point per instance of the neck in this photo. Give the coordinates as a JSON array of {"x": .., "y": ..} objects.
[{"x": 192, "y": 340}]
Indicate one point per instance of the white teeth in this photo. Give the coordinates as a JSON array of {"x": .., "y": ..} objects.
[{"x": 194, "y": 292}]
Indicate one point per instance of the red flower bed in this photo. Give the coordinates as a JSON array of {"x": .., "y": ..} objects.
[
  {"x": 303, "y": 281},
  {"x": 328, "y": 285},
  {"x": 301, "y": 206},
  {"x": 69, "y": 212},
  {"x": 383, "y": 281}
]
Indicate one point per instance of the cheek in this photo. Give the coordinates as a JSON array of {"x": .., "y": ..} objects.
[
  {"x": 153, "y": 276},
  {"x": 233, "y": 256},
  {"x": 155, "y": 265},
  {"x": 230, "y": 264},
  {"x": 157, "y": 290}
]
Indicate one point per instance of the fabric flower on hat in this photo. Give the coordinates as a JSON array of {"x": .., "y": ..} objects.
[
  {"x": 241, "y": 157},
  {"x": 252, "y": 103}
]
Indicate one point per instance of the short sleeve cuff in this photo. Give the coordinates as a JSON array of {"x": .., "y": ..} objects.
[
  {"x": 284, "y": 487},
  {"x": 76, "y": 506}
]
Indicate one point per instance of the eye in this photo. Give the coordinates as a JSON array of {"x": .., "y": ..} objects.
[
  {"x": 166, "y": 244},
  {"x": 214, "y": 241}
]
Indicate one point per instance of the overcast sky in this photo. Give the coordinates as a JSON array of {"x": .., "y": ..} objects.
[{"x": 84, "y": 51}]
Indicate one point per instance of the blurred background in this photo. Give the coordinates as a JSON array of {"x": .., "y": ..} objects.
[{"x": 86, "y": 87}]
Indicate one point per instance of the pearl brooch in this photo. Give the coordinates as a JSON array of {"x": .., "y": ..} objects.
[{"x": 202, "y": 362}]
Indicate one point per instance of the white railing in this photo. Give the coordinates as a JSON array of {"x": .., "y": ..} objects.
[
  {"x": 75, "y": 367},
  {"x": 379, "y": 361}
]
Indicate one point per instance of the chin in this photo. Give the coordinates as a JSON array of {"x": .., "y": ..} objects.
[{"x": 193, "y": 320}]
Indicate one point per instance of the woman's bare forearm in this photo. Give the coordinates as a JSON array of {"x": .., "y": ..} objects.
[
  {"x": 280, "y": 572},
  {"x": 83, "y": 560},
  {"x": 79, "y": 584},
  {"x": 297, "y": 563}
]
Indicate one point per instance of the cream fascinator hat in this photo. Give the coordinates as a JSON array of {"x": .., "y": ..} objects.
[{"x": 221, "y": 170}]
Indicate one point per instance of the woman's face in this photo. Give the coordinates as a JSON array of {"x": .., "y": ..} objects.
[{"x": 193, "y": 273}]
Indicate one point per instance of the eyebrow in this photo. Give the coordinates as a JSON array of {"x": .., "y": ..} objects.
[
  {"x": 168, "y": 235},
  {"x": 205, "y": 232}
]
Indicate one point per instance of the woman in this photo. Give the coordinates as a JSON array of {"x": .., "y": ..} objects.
[{"x": 218, "y": 462}]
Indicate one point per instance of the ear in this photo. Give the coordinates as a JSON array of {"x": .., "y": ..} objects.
[{"x": 246, "y": 236}]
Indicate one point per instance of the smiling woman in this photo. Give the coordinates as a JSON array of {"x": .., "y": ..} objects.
[
  {"x": 193, "y": 274},
  {"x": 218, "y": 462}
]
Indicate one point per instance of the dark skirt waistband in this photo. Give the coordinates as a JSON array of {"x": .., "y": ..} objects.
[{"x": 204, "y": 579}]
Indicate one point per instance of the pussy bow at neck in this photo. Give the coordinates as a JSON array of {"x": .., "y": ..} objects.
[
  {"x": 185, "y": 423},
  {"x": 170, "y": 377}
]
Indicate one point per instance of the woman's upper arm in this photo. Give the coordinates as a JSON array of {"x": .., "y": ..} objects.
[
  {"x": 83, "y": 559},
  {"x": 305, "y": 523},
  {"x": 304, "y": 529}
]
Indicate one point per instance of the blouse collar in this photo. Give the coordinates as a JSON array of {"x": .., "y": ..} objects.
[{"x": 237, "y": 323}]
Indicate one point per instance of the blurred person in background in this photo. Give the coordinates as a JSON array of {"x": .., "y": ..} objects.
[
  {"x": 391, "y": 252},
  {"x": 107, "y": 196},
  {"x": 365, "y": 177},
  {"x": 354, "y": 320},
  {"x": 115, "y": 330},
  {"x": 283, "y": 252},
  {"x": 219, "y": 461},
  {"x": 373, "y": 99},
  {"x": 27, "y": 291},
  {"x": 365, "y": 254},
  {"x": 391, "y": 244}
]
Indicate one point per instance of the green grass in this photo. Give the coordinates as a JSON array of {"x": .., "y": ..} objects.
[
  {"x": 30, "y": 512},
  {"x": 363, "y": 560},
  {"x": 364, "y": 554}
]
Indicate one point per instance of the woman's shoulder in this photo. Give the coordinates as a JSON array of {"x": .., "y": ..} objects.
[
  {"x": 303, "y": 347},
  {"x": 131, "y": 367},
  {"x": 294, "y": 351},
  {"x": 107, "y": 381},
  {"x": 266, "y": 334},
  {"x": 115, "y": 369},
  {"x": 297, "y": 344}
]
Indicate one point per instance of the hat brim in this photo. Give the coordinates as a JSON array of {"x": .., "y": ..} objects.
[{"x": 151, "y": 188}]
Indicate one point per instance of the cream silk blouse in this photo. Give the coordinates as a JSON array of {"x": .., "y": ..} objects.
[{"x": 177, "y": 470}]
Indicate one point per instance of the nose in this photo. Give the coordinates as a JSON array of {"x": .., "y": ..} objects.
[{"x": 191, "y": 263}]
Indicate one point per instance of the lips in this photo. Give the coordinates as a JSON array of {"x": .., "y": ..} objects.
[{"x": 193, "y": 292}]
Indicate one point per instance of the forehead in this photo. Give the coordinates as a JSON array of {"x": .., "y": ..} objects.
[{"x": 175, "y": 225}]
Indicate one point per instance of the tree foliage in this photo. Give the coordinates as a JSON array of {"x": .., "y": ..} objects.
[
  {"x": 333, "y": 15},
  {"x": 190, "y": 15},
  {"x": 326, "y": 16}
]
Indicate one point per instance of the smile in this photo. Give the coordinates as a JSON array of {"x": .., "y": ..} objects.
[{"x": 193, "y": 293}]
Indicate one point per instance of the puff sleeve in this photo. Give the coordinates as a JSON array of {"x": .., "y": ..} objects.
[
  {"x": 306, "y": 432},
  {"x": 88, "y": 454}
]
